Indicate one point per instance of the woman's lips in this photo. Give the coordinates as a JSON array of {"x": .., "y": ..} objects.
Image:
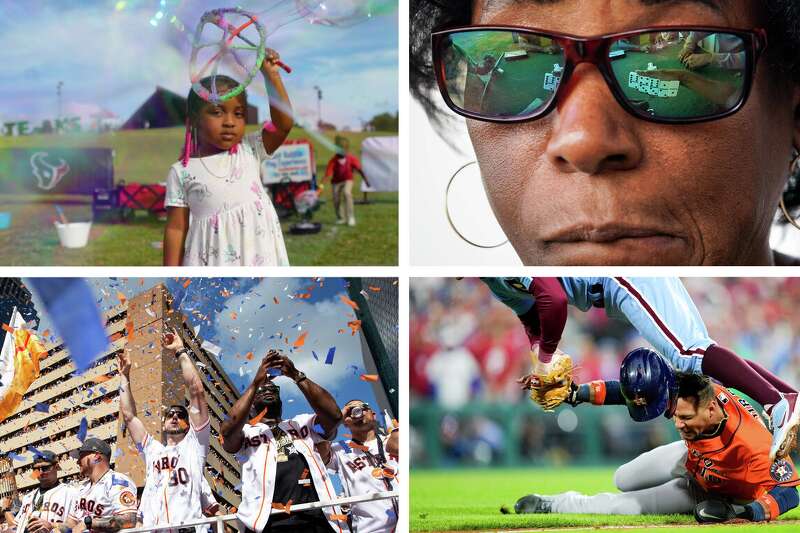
[
  {"x": 604, "y": 234},
  {"x": 615, "y": 244}
]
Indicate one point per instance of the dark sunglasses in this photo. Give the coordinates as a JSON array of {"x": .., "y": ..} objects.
[
  {"x": 663, "y": 74},
  {"x": 183, "y": 415},
  {"x": 43, "y": 468}
]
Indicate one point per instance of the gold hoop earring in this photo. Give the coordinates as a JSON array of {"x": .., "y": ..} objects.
[
  {"x": 794, "y": 173},
  {"x": 450, "y": 219}
]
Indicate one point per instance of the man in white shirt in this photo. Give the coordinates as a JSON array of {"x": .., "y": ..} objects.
[
  {"x": 106, "y": 500},
  {"x": 280, "y": 467},
  {"x": 175, "y": 468},
  {"x": 368, "y": 463},
  {"x": 49, "y": 503}
]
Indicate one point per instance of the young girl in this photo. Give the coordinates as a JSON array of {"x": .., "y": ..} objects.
[{"x": 218, "y": 181}]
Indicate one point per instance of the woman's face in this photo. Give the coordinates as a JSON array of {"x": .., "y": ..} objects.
[{"x": 591, "y": 184}]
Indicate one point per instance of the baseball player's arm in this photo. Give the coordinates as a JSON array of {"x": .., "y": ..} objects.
[
  {"x": 551, "y": 311},
  {"x": 70, "y": 524},
  {"x": 198, "y": 412},
  {"x": 110, "y": 523},
  {"x": 329, "y": 416},
  {"x": 232, "y": 436},
  {"x": 596, "y": 392},
  {"x": 127, "y": 405},
  {"x": 393, "y": 443}
]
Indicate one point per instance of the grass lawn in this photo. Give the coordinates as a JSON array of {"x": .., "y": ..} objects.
[
  {"x": 460, "y": 500},
  {"x": 144, "y": 156}
]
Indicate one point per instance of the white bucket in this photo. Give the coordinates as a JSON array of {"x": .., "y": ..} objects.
[{"x": 74, "y": 234}]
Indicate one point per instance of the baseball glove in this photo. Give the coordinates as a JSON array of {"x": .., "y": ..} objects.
[{"x": 551, "y": 389}]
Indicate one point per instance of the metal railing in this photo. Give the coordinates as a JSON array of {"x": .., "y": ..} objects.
[{"x": 219, "y": 521}]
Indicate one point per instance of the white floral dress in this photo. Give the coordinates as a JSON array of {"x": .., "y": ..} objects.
[{"x": 233, "y": 222}]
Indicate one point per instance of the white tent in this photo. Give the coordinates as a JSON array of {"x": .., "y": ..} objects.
[{"x": 379, "y": 158}]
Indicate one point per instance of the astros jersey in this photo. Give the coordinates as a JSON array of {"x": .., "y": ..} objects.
[
  {"x": 54, "y": 506},
  {"x": 173, "y": 490},
  {"x": 360, "y": 473},
  {"x": 113, "y": 494},
  {"x": 734, "y": 462},
  {"x": 259, "y": 457}
]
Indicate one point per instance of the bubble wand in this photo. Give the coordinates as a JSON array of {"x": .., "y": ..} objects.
[{"x": 226, "y": 46}]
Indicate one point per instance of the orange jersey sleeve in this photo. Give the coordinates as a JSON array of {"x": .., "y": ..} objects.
[{"x": 734, "y": 462}]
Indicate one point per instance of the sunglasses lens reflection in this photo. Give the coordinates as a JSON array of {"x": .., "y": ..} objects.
[
  {"x": 499, "y": 73},
  {"x": 680, "y": 75}
]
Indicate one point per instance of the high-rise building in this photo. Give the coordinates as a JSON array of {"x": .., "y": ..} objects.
[{"x": 55, "y": 407}]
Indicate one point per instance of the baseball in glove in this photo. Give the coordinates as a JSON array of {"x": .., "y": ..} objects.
[{"x": 551, "y": 384}]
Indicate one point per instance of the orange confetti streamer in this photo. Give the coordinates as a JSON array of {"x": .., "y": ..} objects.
[
  {"x": 249, "y": 356},
  {"x": 233, "y": 315},
  {"x": 374, "y": 289},
  {"x": 338, "y": 517},
  {"x": 187, "y": 283},
  {"x": 301, "y": 340},
  {"x": 129, "y": 329},
  {"x": 355, "y": 325},
  {"x": 256, "y": 419},
  {"x": 46, "y": 333},
  {"x": 101, "y": 379},
  {"x": 122, "y": 298},
  {"x": 275, "y": 299},
  {"x": 348, "y": 301},
  {"x": 8, "y": 328},
  {"x": 369, "y": 377}
]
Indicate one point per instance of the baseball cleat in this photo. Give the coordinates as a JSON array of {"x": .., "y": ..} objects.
[
  {"x": 785, "y": 418},
  {"x": 533, "y": 503},
  {"x": 715, "y": 511}
]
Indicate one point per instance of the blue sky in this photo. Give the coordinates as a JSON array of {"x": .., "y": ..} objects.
[
  {"x": 108, "y": 54},
  {"x": 260, "y": 324}
]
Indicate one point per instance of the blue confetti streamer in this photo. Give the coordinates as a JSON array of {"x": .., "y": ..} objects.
[
  {"x": 314, "y": 354},
  {"x": 83, "y": 429},
  {"x": 42, "y": 407},
  {"x": 329, "y": 357}
]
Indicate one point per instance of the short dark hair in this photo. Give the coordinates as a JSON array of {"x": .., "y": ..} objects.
[
  {"x": 781, "y": 18},
  {"x": 694, "y": 387}
]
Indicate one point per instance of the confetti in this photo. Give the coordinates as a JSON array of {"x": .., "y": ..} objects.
[
  {"x": 275, "y": 299},
  {"x": 187, "y": 283},
  {"x": 249, "y": 356},
  {"x": 256, "y": 419},
  {"x": 122, "y": 298},
  {"x": 301, "y": 340},
  {"x": 101, "y": 379},
  {"x": 369, "y": 377},
  {"x": 82, "y": 429},
  {"x": 42, "y": 407},
  {"x": 348, "y": 301},
  {"x": 8, "y": 328},
  {"x": 354, "y": 325},
  {"x": 329, "y": 357},
  {"x": 374, "y": 289}
]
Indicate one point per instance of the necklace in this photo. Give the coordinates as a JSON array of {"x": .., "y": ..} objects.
[{"x": 225, "y": 175}]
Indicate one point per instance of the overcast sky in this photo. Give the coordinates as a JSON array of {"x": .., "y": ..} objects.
[
  {"x": 240, "y": 315},
  {"x": 108, "y": 54}
]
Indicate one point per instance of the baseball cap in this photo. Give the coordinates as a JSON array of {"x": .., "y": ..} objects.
[
  {"x": 92, "y": 445},
  {"x": 45, "y": 457}
]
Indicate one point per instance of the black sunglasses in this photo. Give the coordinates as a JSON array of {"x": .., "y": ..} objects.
[
  {"x": 663, "y": 74},
  {"x": 183, "y": 415}
]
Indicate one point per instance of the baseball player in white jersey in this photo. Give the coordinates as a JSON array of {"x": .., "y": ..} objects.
[
  {"x": 366, "y": 464},
  {"x": 173, "y": 490},
  {"x": 106, "y": 500},
  {"x": 49, "y": 503},
  {"x": 280, "y": 466}
]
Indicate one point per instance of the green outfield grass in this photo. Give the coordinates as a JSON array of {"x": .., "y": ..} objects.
[
  {"x": 144, "y": 156},
  {"x": 460, "y": 500}
]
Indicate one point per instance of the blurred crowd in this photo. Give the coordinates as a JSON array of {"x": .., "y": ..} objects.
[{"x": 467, "y": 348}]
